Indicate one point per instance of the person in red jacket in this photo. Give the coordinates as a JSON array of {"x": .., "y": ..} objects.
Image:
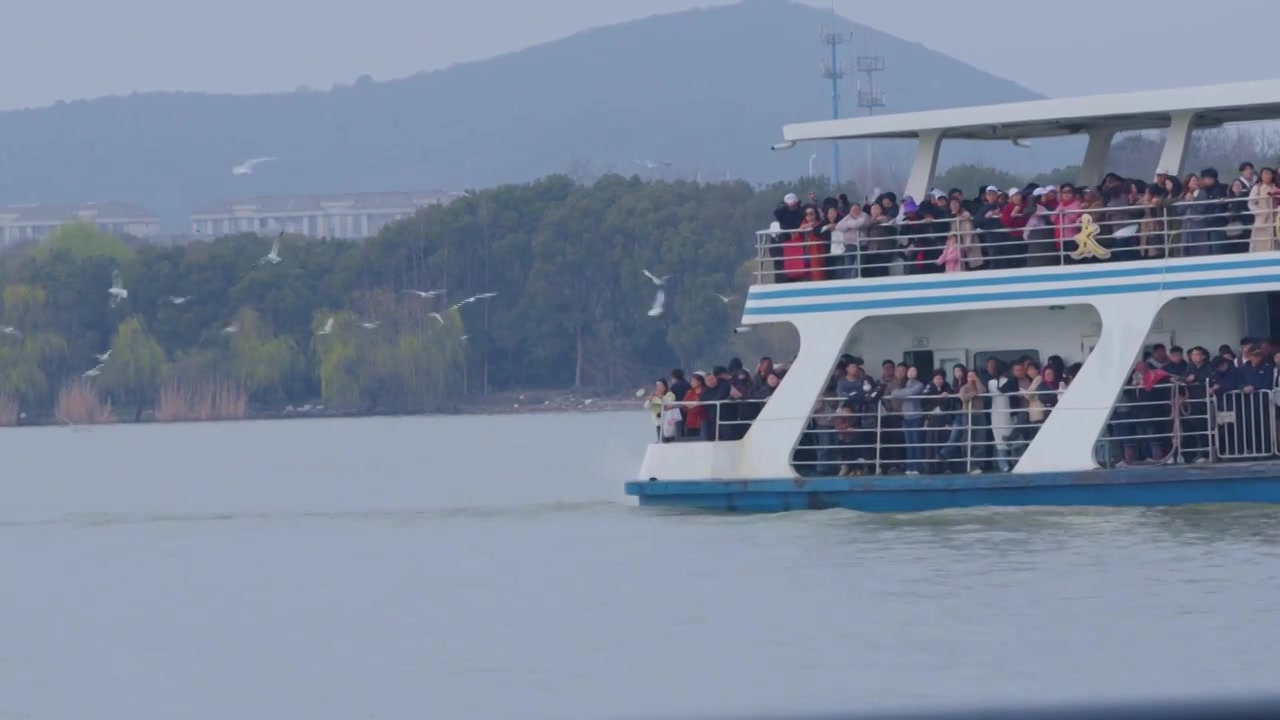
[{"x": 1014, "y": 218}]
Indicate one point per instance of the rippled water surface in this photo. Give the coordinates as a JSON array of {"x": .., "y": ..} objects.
[{"x": 486, "y": 567}]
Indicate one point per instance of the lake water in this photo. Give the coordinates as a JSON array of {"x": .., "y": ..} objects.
[{"x": 483, "y": 567}]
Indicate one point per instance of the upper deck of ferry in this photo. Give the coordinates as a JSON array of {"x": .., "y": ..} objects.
[{"x": 1123, "y": 226}]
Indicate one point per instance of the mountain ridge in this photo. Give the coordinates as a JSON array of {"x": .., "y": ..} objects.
[{"x": 698, "y": 88}]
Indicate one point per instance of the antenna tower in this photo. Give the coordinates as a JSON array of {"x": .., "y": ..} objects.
[
  {"x": 834, "y": 70},
  {"x": 869, "y": 96}
]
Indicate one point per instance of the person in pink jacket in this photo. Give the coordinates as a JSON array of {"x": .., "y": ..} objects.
[{"x": 950, "y": 257}]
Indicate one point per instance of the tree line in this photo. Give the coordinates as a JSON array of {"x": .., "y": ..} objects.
[{"x": 566, "y": 260}]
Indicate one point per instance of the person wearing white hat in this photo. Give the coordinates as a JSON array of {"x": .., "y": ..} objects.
[
  {"x": 1038, "y": 192},
  {"x": 789, "y": 215},
  {"x": 1013, "y": 191}
]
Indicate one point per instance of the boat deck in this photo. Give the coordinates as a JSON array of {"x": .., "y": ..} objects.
[{"x": 1154, "y": 486}]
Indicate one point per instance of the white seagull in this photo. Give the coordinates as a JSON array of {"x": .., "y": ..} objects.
[
  {"x": 117, "y": 290},
  {"x": 371, "y": 324},
  {"x": 654, "y": 165},
  {"x": 426, "y": 293},
  {"x": 656, "y": 280},
  {"x": 723, "y": 298},
  {"x": 658, "y": 301},
  {"x": 246, "y": 167},
  {"x": 103, "y": 357},
  {"x": 232, "y": 328},
  {"x": 273, "y": 257},
  {"x": 176, "y": 300},
  {"x": 438, "y": 317},
  {"x": 9, "y": 330},
  {"x": 486, "y": 296},
  {"x": 328, "y": 327},
  {"x": 464, "y": 337},
  {"x": 95, "y": 372}
]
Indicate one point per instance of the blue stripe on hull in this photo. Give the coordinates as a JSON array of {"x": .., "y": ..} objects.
[{"x": 1145, "y": 487}]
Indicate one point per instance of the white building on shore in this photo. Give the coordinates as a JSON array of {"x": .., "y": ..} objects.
[
  {"x": 23, "y": 223},
  {"x": 347, "y": 216}
]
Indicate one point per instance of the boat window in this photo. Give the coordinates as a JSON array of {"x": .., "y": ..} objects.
[
  {"x": 1007, "y": 356},
  {"x": 921, "y": 359}
]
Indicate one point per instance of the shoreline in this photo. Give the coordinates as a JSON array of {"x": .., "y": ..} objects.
[{"x": 528, "y": 403}]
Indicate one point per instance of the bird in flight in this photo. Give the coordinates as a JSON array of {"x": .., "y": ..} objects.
[
  {"x": 95, "y": 372},
  {"x": 328, "y": 327},
  {"x": 656, "y": 280},
  {"x": 724, "y": 298},
  {"x": 117, "y": 290},
  {"x": 273, "y": 257},
  {"x": 486, "y": 296},
  {"x": 426, "y": 293},
  {"x": 654, "y": 165},
  {"x": 176, "y": 300},
  {"x": 438, "y": 317},
  {"x": 659, "y": 301},
  {"x": 232, "y": 328},
  {"x": 246, "y": 167},
  {"x": 103, "y": 357},
  {"x": 370, "y": 324},
  {"x": 9, "y": 330}
]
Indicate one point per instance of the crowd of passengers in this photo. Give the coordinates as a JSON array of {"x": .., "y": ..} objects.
[
  {"x": 1031, "y": 226},
  {"x": 716, "y": 405},
  {"x": 1177, "y": 407}
]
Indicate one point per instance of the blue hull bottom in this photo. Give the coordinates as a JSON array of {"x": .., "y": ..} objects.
[{"x": 1165, "y": 485}]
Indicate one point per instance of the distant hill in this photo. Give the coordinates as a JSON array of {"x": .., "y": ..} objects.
[{"x": 705, "y": 89}]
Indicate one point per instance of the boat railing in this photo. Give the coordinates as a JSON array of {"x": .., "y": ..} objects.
[
  {"x": 1171, "y": 423},
  {"x": 1145, "y": 231},
  {"x": 715, "y": 420}
]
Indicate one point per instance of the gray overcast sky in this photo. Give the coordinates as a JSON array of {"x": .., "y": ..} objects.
[{"x": 67, "y": 49}]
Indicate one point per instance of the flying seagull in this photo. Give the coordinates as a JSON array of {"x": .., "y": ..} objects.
[
  {"x": 273, "y": 257},
  {"x": 486, "y": 296},
  {"x": 117, "y": 290},
  {"x": 658, "y": 301},
  {"x": 328, "y": 327},
  {"x": 464, "y": 337},
  {"x": 95, "y": 372},
  {"x": 103, "y": 357},
  {"x": 438, "y": 317},
  {"x": 176, "y": 300},
  {"x": 9, "y": 330},
  {"x": 654, "y": 165},
  {"x": 232, "y": 328},
  {"x": 723, "y": 298},
  {"x": 656, "y": 280},
  {"x": 370, "y": 324},
  {"x": 246, "y": 167},
  {"x": 426, "y": 293}
]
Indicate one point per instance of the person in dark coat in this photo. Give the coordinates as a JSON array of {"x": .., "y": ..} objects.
[
  {"x": 1194, "y": 415},
  {"x": 789, "y": 214}
]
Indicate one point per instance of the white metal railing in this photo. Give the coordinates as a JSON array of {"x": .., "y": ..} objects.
[
  {"x": 1146, "y": 231},
  {"x": 1175, "y": 423}
]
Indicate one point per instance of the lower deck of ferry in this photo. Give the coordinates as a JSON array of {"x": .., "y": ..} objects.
[{"x": 1168, "y": 445}]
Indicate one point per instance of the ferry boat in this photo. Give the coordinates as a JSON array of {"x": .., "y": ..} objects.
[{"x": 1126, "y": 280}]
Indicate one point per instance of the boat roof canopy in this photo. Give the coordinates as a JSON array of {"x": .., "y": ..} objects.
[{"x": 1213, "y": 105}]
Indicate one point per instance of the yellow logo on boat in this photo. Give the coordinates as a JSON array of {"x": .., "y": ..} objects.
[{"x": 1087, "y": 242}]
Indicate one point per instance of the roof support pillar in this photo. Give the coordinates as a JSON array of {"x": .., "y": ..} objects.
[
  {"x": 925, "y": 164},
  {"x": 1174, "y": 155},
  {"x": 1095, "y": 156}
]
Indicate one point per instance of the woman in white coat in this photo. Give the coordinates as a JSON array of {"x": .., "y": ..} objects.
[
  {"x": 1000, "y": 387},
  {"x": 1262, "y": 203}
]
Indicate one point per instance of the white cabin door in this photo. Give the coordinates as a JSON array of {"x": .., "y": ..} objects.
[{"x": 948, "y": 359}]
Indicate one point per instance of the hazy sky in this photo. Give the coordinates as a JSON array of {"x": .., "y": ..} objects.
[{"x": 67, "y": 49}]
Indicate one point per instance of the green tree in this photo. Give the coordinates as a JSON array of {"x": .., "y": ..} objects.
[
  {"x": 136, "y": 367},
  {"x": 84, "y": 240}
]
